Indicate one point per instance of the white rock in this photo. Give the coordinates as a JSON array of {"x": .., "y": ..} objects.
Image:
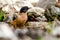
[
  {"x": 6, "y": 8},
  {"x": 6, "y": 31},
  {"x": 20, "y": 4},
  {"x": 31, "y": 1},
  {"x": 17, "y": 5},
  {"x": 17, "y": 8},
  {"x": 24, "y": 3},
  {"x": 3, "y": 2},
  {"x": 9, "y": 2},
  {"x": 34, "y": 1},
  {"x": 56, "y": 31},
  {"x": 38, "y": 25},
  {"x": 27, "y": 38},
  {"x": 38, "y": 10},
  {"x": 23, "y": 31}
]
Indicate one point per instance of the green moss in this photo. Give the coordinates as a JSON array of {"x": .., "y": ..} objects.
[
  {"x": 2, "y": 15},
  {"x": 39, "y": 38},
  {"x": 49, "y": 31},
  {"x": 52, "y": 25},
  {"x": 27, "y": 24}
]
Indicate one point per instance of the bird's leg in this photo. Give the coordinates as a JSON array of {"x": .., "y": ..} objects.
[{"x": 21, "y": 27}]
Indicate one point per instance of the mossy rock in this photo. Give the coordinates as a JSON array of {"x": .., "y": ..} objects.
[
  {"x": 52, "y": 12},
  {"x": 2, "y": 15}
]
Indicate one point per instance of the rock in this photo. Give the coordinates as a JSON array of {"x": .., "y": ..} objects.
[
  {"x": 6, "y": 8},
  {"x": 44, "y": 3},
  {"x": 37, "y": 12},
  {"x": 52, "y": 12},
  {"x": 1, "y": 2},
  {"x": 7, "y": 32},
  {"x": 20, "y": 4},
  {"x": 41, "y": 25},
  {"x": 55, "y": 31},
  {"x": 5, "y": 39},
  {"x": 2, "y": 13},
  {"x": 58, "y": 17},
  {"x": 57, "y": 3},
  {"x": 32, "y": 16},
  {"x": 14, "y": 4},
  {"x": 21, "y": 32},
  {"x": 41, "y": 18},
  {"x": 27, "y": 38},
  {"x": 33, "y": 2}
]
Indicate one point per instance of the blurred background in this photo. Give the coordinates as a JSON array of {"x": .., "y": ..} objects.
[{"x": 36, "y": 29}]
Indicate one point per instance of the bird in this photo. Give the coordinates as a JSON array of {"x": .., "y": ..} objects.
[{"x": 21, "y": 18}]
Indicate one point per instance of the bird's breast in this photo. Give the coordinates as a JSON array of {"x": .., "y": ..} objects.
[{"x": 22, "y": 18}]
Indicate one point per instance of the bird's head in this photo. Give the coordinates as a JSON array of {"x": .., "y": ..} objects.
[{"x": 24, "y": 9}]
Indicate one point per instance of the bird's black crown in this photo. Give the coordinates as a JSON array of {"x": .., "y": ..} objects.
[{"x": 24, "y": 9}]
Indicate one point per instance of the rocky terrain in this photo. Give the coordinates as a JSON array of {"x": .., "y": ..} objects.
[{"x": 34, "y": 30}]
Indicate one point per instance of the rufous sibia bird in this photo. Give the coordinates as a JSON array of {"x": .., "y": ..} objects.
[{"x": 20, "y": 20}]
